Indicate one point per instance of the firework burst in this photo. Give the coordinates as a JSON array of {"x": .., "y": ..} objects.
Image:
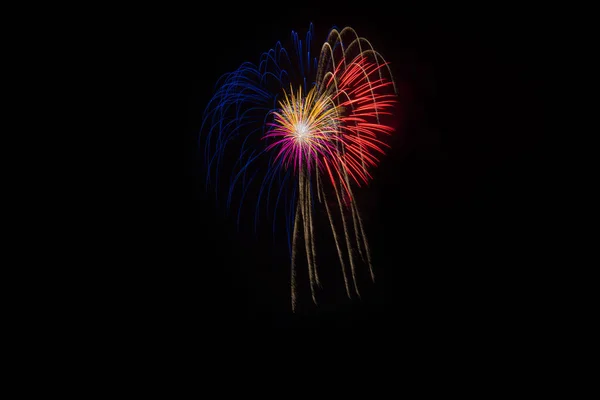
[{"x": 303, "y": 129}]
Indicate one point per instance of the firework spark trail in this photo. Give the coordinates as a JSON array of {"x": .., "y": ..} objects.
[
  {"x": 365, "y": 242},
  {"x": 293, "y": 263},
  {"x": 314, "y": 121},
  {"x": 304, "y": 202},
  {"x": 312, "y": 240},
  {"x": 356, "y": 232},
  {"x": 348, "y": 244},
  {"x": 337, "y": 243}
]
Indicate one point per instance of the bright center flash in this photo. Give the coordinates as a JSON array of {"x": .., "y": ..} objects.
[{"x": 301, "y": 131}]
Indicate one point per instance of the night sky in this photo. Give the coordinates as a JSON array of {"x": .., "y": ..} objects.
[{"x": 455, "y": 214}]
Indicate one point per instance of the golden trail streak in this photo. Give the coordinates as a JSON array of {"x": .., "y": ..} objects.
[
  {"x": 365, "y": 243},
  {"x": 318, "y": 176},
  {"x": 357, "y": 42},
  {"x": 318, "y": 189},
  {"x": 312, "y": 237},
  {"x": 354, "y": 210},
  {"x": 348, "y": 245},
  {"x": 337, "y": 243},
  {"x": 305, "y": 226},
  {"x": 293, "y": 268},
  {"x": 345, "y": 179},
  {"x": 356, "y": 218},
  {"x": 356, "y": 236}
]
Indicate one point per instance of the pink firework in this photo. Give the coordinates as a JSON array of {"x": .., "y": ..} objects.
[{"x": 329, "y": 128}]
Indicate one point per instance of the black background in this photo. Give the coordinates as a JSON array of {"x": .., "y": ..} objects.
[{"x": 456, "y": 213}]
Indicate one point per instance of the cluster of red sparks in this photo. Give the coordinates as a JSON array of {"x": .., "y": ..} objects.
[{"x": 337, "y": 126}]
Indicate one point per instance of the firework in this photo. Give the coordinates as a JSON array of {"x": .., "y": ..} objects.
[{"x": 305, "y": 128}]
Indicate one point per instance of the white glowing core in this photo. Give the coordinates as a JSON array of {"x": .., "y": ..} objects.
[{"x": 301, "y": 130}]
